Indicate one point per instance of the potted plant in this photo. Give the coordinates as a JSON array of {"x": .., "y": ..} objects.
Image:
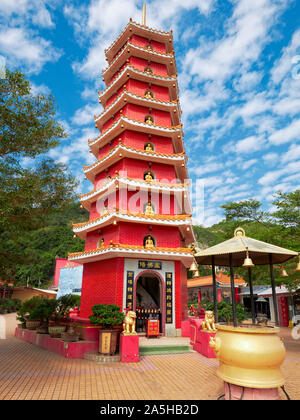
[
  {"x": 71, "y": 335},
  {"x": 25, "y": 313},
  {"x": 43, "y": 312},
  {"x": 63, "y": 306},
  {"x": 107, "y": 316}
]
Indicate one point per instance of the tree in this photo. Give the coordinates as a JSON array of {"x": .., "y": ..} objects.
[
  {"x": 280, "y": 227},
  {"x": 28, "y": 195}
]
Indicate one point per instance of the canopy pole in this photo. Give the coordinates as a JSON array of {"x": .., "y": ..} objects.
[
  {"x": 251, "y": 295},
  {"x": 273, "y": 291},
  {"x": 232, "y": 291},
  {"x": 214, "y": 287}
]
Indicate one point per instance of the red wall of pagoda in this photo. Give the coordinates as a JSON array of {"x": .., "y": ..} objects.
[
  {"x": 136, "y": 169},
  {"x": 124, "y": 234},
  {"x": 143, "y": 42},
  {"x": 102, "y": 284},
  {"x": 134, "y": 202},
  {"x": 184, "y": 292},
  {"x": 139, "y": 88}
]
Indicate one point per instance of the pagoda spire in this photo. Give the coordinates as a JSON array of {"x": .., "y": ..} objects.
[{"x": 144, "y": 15}]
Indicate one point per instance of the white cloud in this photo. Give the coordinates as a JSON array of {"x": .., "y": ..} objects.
[
  {"x": 250, "y": 144},
  {"x": 21, "y": 46},
  {"x": 284, "y": 65},
  {"x": 85, "y": 115},
  {"x": 287, "y": 134},
  {"x": 21, "y": 10}
]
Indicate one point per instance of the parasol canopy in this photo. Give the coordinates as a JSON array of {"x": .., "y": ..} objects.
[{"x": 237, "y": 246}]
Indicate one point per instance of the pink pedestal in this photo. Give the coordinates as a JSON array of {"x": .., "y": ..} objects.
[
  {"x": 75, "y": 350},
  {"x": 195, "y": 326},
  {"x": 129, "y": 348},
  {"x": 235, "y": 392},
  {"x": 202, "y": 344}
]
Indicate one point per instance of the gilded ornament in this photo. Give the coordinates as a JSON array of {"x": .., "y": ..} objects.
[
  {"x": 129, "y": 324},
  {"x": 209, "y": 322}
]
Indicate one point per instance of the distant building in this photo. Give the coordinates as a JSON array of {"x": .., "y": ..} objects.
[{"x": 202, "y": 287}]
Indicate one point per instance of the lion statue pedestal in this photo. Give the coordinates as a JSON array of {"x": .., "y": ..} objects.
[
  {"x": 129, "y": 340},
  {"x": 204, "y": 335}
]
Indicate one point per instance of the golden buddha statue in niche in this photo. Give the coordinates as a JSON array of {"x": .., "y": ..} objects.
[
  {"x": 148, "y": 177},
  {"x": 148, "y": 70},
  {"x": 149, "y": 147},
  {"x": 102, "y": 243},
  {"x": 149, "y": 120},
  {"x": 149, "y": 94},
  {"x": 149, "y": 242},
  {"x": 149, "y": 209},
  {"x": 149, "y": 47}
]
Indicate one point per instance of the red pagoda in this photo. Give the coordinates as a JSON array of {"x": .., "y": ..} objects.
[{"x": 136, "y": 240}]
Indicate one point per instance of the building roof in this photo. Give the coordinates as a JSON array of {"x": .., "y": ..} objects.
[
  {"x": 221, "y": 278},
  {"x": 237, "y": 246}
]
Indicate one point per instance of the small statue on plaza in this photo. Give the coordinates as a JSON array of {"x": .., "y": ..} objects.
[
  {"x": 129, "y": 323},
  {"x": 209, "y": 322}
]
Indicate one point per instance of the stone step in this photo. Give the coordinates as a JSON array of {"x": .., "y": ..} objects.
[
  {"x": 164, "y": 345},
  {"x": 102, "y": 358}
]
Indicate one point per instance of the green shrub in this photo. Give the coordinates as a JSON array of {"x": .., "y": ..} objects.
[
  {"x": 106, "y": 315},
  {"x": 64, "y": 304},
  {"x": 25, "y": 311},
  {"x": 44, "y": 310},
  {"x": 225, "y": 313}
]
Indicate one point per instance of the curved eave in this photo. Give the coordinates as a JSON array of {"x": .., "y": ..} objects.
[
  {"x": 134, "y": 28},
  {"x": 135, "y": 252},
  {"x": 182, "y": 223},
  {"x": 115, "y": 183},
  {"x": 130, "y": 98},
  {"x": 130, "y": 50},
  {"x": 124, "y": 123},
  {"x": 122, "y": 151},
  {"x": 131, "y": 72}
]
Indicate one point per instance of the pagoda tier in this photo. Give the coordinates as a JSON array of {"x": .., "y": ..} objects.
[
  {"x": 121, "y": 150},
  {"x": 130, "y": 72},
  {"x": 140, "y": 212}
]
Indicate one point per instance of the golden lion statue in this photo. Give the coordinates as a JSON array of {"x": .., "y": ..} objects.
[
  {"x": 129, "y": 323},
  {"x": 209, "y": 322}
]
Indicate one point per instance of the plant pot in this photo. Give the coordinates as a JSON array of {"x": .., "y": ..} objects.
[
  {"x": 56, "y": 330},
  {"x": 32, "y": 324},
  {"x": 42, "y": 329},
  {"x": 108, "y": 340},
  {"x": 65, "y": 336},
  {"x": 249, "y": 356}
]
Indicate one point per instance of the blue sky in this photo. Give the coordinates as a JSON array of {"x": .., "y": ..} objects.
[{"x": 239, "y": 76}]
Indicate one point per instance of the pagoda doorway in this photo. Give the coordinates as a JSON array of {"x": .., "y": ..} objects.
[{"x": 148, "y": 300}]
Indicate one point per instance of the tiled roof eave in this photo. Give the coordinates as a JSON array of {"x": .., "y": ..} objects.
[
  {"x": 129, "y": 45},
  {"x": 134, "y": 24}
]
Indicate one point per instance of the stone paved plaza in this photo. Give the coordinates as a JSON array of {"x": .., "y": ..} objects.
[{"x": 29, "y": 372}]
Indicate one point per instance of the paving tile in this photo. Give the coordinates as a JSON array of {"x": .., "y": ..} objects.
[{"x": 29, "y": 372}]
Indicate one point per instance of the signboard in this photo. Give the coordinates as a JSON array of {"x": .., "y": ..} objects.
[
  {"x": 129, "y": 289},
  {"x": 169, "y": 298},
  {"x": 152, "y": 265},
  {"x": 70, "y": 281}
]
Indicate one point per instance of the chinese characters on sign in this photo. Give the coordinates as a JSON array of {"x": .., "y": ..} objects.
[
  {"x": 129, "y": 292},
  {"x": 169, "y": 299},
  {"x": 156, "y": 265}
]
